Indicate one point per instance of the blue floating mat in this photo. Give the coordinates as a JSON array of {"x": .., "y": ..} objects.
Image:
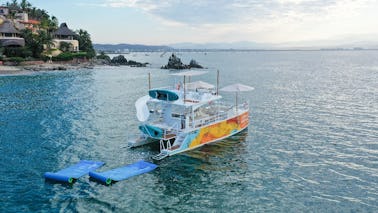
[
  {"x": 73, "y": 172},
  {"x": 123, "y": 173}
]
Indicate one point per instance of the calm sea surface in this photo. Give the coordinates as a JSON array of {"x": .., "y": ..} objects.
[{"x": 312, "y": 143}]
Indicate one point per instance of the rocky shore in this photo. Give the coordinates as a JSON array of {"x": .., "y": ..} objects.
[
  {"x": 21, "y": 69},
  {"x": 35, "y": 66},
  {"x": 52, "y": 66}
]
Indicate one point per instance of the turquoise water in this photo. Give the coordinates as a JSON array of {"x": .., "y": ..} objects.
[{"x": 312, "y": 144}]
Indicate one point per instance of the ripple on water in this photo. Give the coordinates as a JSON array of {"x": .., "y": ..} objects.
[{"x": 312, "y": 144}]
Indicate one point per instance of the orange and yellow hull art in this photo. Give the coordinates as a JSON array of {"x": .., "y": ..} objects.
[{"x": 216, "y": 131}]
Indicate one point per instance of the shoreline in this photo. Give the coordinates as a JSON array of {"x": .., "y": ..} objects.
[{"x": 27, "y": 69}]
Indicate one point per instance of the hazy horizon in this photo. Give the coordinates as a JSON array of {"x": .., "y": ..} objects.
[{"x": 286, "y": 23}]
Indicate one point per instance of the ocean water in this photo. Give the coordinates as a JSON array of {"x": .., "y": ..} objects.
[{"x": 311, "y": 146}]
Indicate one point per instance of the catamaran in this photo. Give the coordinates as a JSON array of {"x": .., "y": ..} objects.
[{"x": 189, "y": 115}]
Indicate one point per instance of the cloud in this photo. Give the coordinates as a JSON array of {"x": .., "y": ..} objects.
[
  {"x": 266, "y": 21},
  {"x": 221, "y": 11}
]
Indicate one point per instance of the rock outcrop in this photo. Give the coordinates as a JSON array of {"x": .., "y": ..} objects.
[
  {"x": 121, "y": 60},
  {"x": 174, "y": 62},
  {"x": 193, "y": 64}
]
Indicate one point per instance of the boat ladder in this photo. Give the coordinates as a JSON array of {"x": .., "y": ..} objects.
[
  {"x": 160, "y": 156},
  {"x": 163, "y": 150}
]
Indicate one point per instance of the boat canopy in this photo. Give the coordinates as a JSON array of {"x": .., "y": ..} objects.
[{"x": 199, "y": 85}]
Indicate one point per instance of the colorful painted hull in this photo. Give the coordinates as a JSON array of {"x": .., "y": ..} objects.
[{"x": 212, "y": 133}]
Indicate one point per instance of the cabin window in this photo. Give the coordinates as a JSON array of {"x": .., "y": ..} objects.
[
  {"x": 174, "y": 115},
  {"x": 161, "y": 96}
]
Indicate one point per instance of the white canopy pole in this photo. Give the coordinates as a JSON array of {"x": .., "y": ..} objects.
[
  {"x": 184, "y": 90},
  {"x": 237, "y": 88},
  {"x": 149, "y": 81},
  {"x": 217, "y": 82}
]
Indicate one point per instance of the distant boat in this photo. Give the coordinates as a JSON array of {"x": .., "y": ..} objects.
[{"x": 188, "y": 116}]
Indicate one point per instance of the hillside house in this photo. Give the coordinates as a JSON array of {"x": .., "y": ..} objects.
[
  {"x": 64, "y": 34},
  {"x": 9, "y": 35}
]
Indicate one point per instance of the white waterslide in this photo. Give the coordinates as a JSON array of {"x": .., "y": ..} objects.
[{"x": 142, "y": 108}]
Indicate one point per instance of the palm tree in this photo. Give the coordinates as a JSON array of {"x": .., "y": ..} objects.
[
  {"x": 85, "y": 42},
  {"x": 45, "y": 39},
  {"x": 33, "y": 12},
  {"x": 54, "y": 22},
  {"x": 25, "y": 5}
]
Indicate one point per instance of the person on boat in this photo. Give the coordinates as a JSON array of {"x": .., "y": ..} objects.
[{"x": 178, "y": 86}]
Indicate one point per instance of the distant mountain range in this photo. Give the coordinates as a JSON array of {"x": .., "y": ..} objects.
[
  {"x": 124, "y": 48},
  {"x": 242, "y": 45}
]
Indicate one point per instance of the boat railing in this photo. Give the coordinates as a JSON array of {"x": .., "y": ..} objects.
[
  {"x": 223, "y": 114},
  {"x": 210, "y": 119},
  {"x": 242, "y": 106},
  {"x": 172, "y": 131}
]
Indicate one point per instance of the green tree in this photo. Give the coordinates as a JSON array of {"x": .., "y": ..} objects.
[
  {"x": 30, "y": 42},
  {"x": 13, "y": 8},
  {"x": 45, "y": 39},
  {"x": 54, "y": 22},
  {"x": 65, "y": 46},
  {"x": 13, "y": 5},
  {"x": 85, "y": 42},
  {"x": 103, "y": 56},
  {"x": 25, "y": 5},
  {"x": 37, "y": 43}
]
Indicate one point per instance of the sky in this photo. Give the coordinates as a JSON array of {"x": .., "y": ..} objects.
[{"x": 293, "y": 22}]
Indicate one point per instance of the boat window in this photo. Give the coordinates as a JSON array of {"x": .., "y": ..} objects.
[
  {"x": 174, "y": 115},
  {"x": 161, "y": 96}
]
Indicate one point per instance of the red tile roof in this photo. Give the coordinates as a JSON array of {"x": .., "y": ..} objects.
[{"x": 34, "y": 22}]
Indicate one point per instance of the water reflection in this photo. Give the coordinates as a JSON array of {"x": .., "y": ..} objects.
[{"x": 182, "y": 178}]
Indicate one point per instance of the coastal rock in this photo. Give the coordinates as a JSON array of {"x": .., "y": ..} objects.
[
  {"x": 102, "y": 62},
  {"x": 62, "y": 68},
  {"x": 174, "y": 62},
  {"x": 136, "y": 64},
  {"x": 121, "y": 60},
  {"x": 193, "y": 64}
]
